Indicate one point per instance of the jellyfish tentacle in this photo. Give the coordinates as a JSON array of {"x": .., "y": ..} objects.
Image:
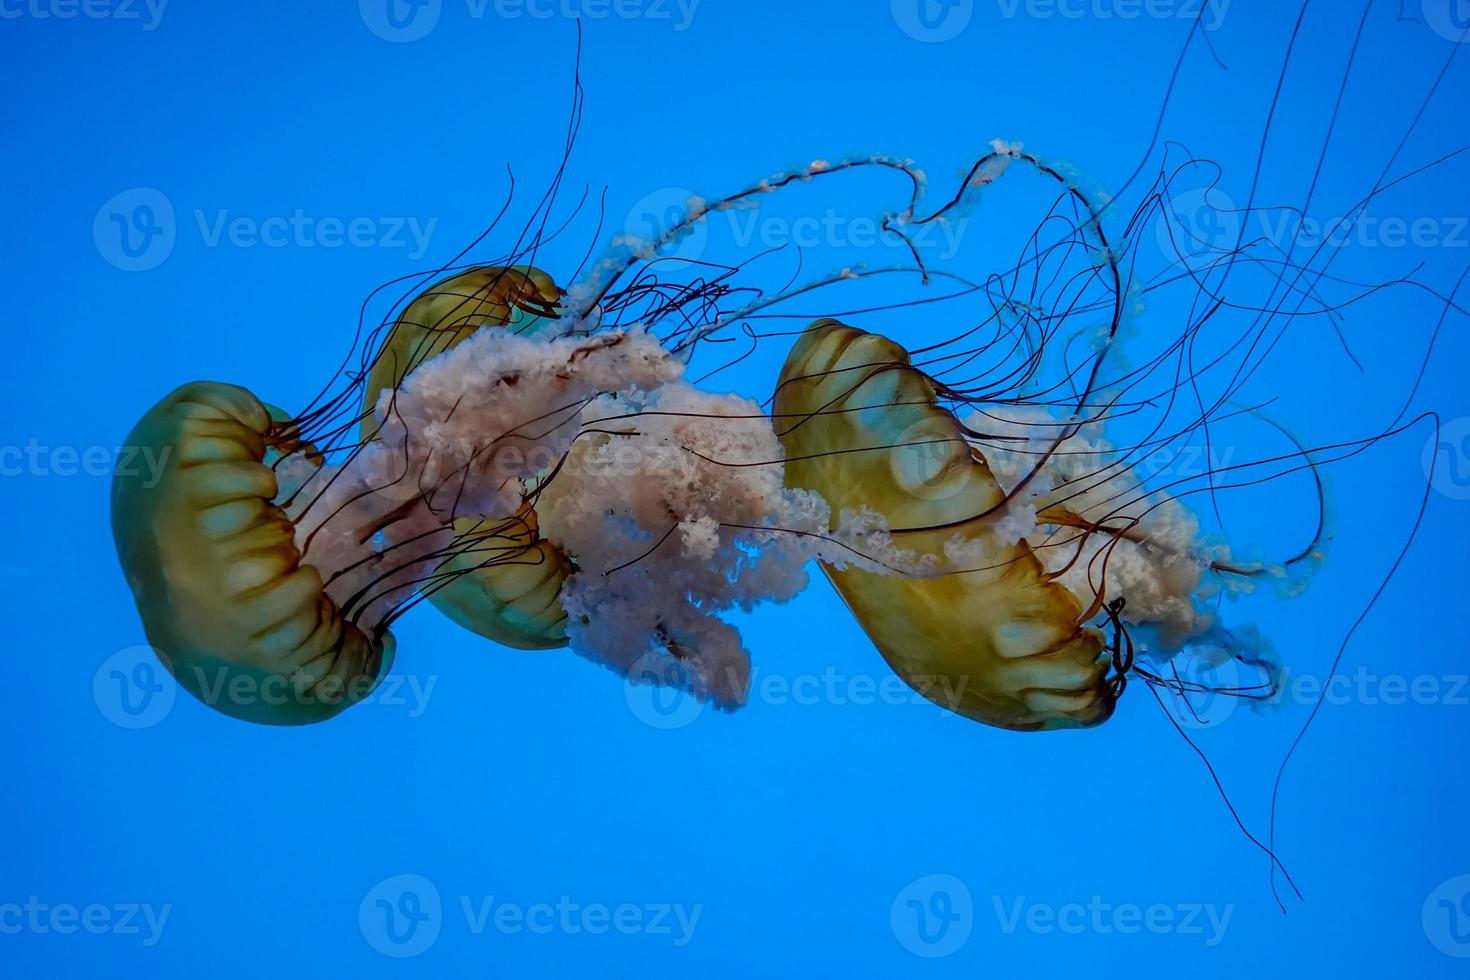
[{"x": 216, "y": 573}]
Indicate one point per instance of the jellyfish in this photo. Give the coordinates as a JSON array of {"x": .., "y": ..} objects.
[
  {"x": 1016, "y": 624},
  {"x": 268, "y": 571},
  {"x": 998, "y": 642},
  {"x": 537, "y": 464},
  {"x": 214, "y": 567},
  {"x": 214, "y": 552},
  {"x": 545, "y": 466},
  {"x": 514, "y": 603}
]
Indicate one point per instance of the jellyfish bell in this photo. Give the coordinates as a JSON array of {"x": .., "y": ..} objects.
[
  {"x": 1056, "y": 573},
  {"x": 998, "y": 642},
  {"x": 212, "y": 561},
  {"x": 504, "y": 582},
  {"x": 521, "y": 299}
]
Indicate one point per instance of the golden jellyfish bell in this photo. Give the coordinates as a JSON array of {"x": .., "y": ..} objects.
[
  {"x": 521, "y": 299},
  {"x": 504, "y": 581},
  {"x": 215, "y": 571},
  {"x": 516, "y": 601},
  {"x": 990, "y": 637}
]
